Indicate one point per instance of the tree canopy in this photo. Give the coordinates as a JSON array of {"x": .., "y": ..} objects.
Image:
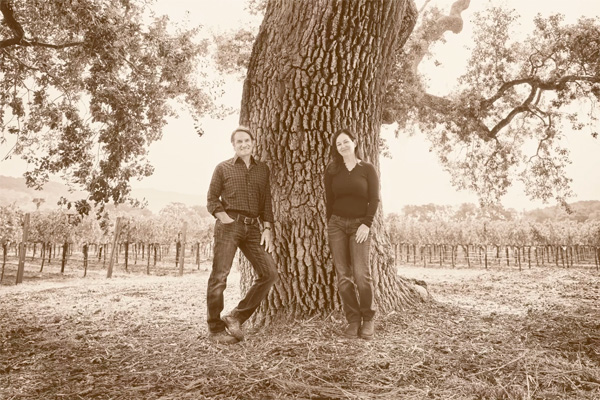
[
  {"x": 86, "y": 86},
  {"x": 512, "y": 106}
]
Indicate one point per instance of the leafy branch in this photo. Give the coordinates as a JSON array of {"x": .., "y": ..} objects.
[
  {"x": 534, "y": 82},
  {"x": 19, "y": 33}
]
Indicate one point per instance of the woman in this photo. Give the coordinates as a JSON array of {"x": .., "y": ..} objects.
[{"x": 352, "y": 198}]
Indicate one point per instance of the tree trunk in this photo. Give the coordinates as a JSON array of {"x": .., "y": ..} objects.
[
  {"x": 85, "y": 259},
  {"x": 316, "y": 68},
  {"x": 466, "y": 250},
  {"x": 148, "y": 259},
  {"x": 43, "y": 255},
  {"x": 198, "y": 254},
  {"x": 4, "y": 254},
  {"x": 454, "y": 249},
  {"x": 126, "y": 255},
  {"x": 64, "y": 257},
  {"x": 414, "y": 247},
  {"x": 485, "y": 249}
]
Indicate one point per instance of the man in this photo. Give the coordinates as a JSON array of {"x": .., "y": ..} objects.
[{"x": 239, "y": 197}]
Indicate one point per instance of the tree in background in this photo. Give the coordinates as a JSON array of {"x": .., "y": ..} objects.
[
  {"x": 85, "y": 88},
  {"x": 38, "y": 201}
]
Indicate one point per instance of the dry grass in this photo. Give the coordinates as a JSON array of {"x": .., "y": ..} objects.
[{"x": 491, "y": 334}]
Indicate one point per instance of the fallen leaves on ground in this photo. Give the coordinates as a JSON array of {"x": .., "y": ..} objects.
[{"x": 489, "y": 334}]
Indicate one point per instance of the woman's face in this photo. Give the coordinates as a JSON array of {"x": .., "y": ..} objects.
[{"x": 345, "y": 145}]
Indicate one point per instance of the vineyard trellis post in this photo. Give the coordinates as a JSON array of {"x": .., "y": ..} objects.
[
  {"x": 85, "y": 258},
  {"x": 114, "y": 248},
  {"x": 148, "y": 247},
  {"x": 21, "y": 267},
  {"x": 182, "y": 249},
  {"x": 486, "y": 256},
  {"x": 4, "y": 255}
]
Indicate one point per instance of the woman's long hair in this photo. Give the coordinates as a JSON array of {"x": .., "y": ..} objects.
[{"x": 336, "y": 159}]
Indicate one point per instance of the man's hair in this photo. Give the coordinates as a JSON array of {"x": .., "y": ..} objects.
[{"x": 242, "y": 128}]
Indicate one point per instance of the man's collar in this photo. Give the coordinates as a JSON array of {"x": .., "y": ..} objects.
[{"x": 252, "y": 159}]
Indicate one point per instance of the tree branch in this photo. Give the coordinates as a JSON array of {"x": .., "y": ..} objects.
[
  {"x": 452, "y": 22},
  {"x": 19, "y": 33},
  {"x": 9, "y": 19},
  {"x": 33, "y": 43},
  {"x": 447, "y": 107},
  {"x": 423, "y": 6},
  {"x": 536, "y": 83}
]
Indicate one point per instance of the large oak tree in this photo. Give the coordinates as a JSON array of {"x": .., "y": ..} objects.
[
  {"x": 507, "y": 116},
  {"x": 314, "y": 69}
]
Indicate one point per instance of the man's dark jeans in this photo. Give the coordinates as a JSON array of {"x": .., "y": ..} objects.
[
  {"x": 228, "y": 238},
  {"x": 352, "y": 268}
]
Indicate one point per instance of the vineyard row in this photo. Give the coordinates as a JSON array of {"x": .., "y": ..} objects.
[{"x": 488, "y": 255}]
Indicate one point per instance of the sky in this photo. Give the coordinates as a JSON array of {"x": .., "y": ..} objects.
[{"x": 184, "y": 162}]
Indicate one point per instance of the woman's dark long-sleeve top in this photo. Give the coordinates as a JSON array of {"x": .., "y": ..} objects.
[{"x": 353, "y": 194}]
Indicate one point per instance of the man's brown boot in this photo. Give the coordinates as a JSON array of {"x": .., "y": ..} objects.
[
  {"x": 367, "y": 330},
  {"x": 222, "y": 338},
  {"x": 351, "y": 331},
  {"x": 233, "y": 326}
]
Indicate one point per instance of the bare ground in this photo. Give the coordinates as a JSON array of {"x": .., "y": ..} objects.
[{"x": 489, "y": 334}]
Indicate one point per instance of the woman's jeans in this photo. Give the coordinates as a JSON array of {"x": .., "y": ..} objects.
[
  {"x": 352, "y": 268},
  {"x": 228, "y": 238}
]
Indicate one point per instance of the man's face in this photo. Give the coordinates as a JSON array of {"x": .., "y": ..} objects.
[{"x": 242, "y": 144}]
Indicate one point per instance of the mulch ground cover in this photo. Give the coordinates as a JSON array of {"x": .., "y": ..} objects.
[{"x": 488, "y": 334}]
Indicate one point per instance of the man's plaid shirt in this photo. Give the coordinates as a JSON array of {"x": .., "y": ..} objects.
[{"x": 244, "y": 190}]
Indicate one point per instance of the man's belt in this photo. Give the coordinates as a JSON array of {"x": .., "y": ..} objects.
[{"x": 242, "y": 218}]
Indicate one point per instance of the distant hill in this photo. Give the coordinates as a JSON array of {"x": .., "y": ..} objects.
[
  {"x": 14, "y": 190},
  {"x": 158, "y": 199},
  {"x": 581, "y": 211}
]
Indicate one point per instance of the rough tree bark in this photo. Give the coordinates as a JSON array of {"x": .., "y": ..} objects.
[{"x": 316, "y": 68}]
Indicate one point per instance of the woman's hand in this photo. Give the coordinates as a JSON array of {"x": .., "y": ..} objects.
[{"x": 362, "y": 233}]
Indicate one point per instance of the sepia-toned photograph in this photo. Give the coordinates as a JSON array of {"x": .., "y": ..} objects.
[{"x": 300, "y": 199}]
